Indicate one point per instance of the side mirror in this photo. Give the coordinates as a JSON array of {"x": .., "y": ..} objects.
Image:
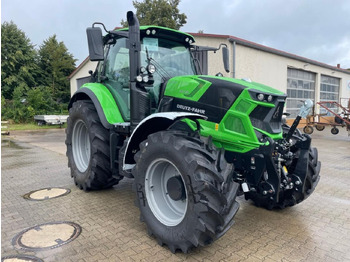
[
  {"x": 95, "y": 42},
  {"x": 225, "y": 58}
]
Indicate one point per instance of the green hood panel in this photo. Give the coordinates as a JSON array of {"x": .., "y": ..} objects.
[
  {"x": 249, "y": 85},
  {"x": 186, "y": 87},
  {"x": 193, "y": 87}
]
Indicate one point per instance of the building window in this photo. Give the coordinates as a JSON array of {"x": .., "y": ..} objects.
[
  {"x": 300, "y": 86},
  {"x": 329, "y": 92}
]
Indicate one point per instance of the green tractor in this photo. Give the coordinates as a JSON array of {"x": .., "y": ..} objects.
[{"x": 191, "y": 142}]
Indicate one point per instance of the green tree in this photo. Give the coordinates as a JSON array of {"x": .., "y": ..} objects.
[
  {"x": 159, "y": 12},
  {"x": 40, "y": 99},
  {"x": 56, "y": 64},
  {"x": 18, "y": 56},
  {"x": 18, "y": 109}
]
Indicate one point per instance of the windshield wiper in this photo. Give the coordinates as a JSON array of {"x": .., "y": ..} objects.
[{"x": 159, "y": 69}]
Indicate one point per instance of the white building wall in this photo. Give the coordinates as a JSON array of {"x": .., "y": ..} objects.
[
  {"x": 271, "y": 70},
  {"x": 262, "y": 67}
]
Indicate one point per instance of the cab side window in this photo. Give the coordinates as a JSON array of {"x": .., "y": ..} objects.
[
  {"x": 117, "y": 67},
  {"x": 117, "y": 72}
]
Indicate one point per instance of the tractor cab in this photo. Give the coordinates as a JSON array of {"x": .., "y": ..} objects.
[
  {"x": 145, "y": 58},
  {"x": 163, "y": 54}
]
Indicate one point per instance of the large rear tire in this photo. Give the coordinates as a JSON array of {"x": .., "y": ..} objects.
[
  {"x": 184, "y": 190},
  {"x": 88, "y": 151}
]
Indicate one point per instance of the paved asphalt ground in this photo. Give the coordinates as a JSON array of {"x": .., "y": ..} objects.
[{"x": 316, "y": 230}]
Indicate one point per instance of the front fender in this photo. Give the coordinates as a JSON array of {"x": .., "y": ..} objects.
[
  {"x": 103, "y": 100},
  {"x": 151, "y": 124}
]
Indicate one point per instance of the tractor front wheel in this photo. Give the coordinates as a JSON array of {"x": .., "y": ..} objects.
[
  {"x": 184, "y": 190},
  {"x": 88, "y": 148}
]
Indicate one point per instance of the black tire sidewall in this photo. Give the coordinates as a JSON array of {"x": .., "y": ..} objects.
[
  {"x": 334, "y": 131},
  {"x": 75, "y": 115},
  {"x": 320, "y": 127},
  {"x": 175, "y": 234}
]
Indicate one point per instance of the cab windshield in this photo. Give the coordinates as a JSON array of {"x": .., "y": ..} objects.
[{"x": 170, "y": 58}]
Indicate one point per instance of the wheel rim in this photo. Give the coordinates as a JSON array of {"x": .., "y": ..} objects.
[
  {"x": 308, "y": 130},
  {"x": 81, "y": 146},
  {"x": 168, "y": 211},
  {"x": 320, "y": 128}
]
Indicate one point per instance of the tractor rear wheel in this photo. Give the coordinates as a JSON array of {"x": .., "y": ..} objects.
[
  {"x": 184, "y": 190},
  {"x": 88, "y": 151}
]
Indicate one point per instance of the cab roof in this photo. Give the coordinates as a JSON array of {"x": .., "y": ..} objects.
[{"x": 164, "y": 32}]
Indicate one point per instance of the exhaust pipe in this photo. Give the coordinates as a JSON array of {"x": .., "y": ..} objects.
[{"x": 139, "y": 97}]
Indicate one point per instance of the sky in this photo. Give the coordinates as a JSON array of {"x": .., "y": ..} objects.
[{"x": 315, "y": 29}]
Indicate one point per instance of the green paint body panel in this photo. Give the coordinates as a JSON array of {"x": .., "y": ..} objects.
[
  {"x": 235, "y": 131},
  {"x": 107, "y": 101},
  {"x": 186, "y": 87}
]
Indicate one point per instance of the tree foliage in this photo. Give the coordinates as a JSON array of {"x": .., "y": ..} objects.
[
  {"x": 56, "y": 64},
  {"x": 159, "y": 12},
  {"x": 18, "y": 66},
  {"x": 33, "y": 82}
]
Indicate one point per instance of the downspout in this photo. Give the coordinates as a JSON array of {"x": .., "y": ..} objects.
[{"x": 233, "y": 41}]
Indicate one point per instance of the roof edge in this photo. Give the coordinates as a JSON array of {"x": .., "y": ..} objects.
[
  {"x": 78, "y": 67},
  {"x": 271, "y": 50}
]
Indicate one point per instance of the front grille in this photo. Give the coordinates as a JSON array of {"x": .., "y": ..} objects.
[
  {"x": 258, "y": 115},
  {"x": 268, "y": 119},
  {"x": 276, "y": 120}
]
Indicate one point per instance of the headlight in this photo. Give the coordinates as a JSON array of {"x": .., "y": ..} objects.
[
  {"x": 151, "y": 68},
  {"x": 142, "y": 69},
  {"x": 260, "y": 97},
  {"x": 269, "y": 98},
  {"x": 145, "y": 79},
  {"x": 139, "y": 78}
]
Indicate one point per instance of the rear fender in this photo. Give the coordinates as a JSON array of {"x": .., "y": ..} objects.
[
  {"x": 103, "y": 100},
  {"x": 151, "y": 124}
]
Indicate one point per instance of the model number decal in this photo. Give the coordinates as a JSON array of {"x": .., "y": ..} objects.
[{"x": 191, "y": 109}]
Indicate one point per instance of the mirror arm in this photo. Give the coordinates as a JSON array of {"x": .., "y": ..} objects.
[
  {"x": 222, "y": 44},
  {"x": 99, "y": 23},
  {"x": 120, "y": 33}
]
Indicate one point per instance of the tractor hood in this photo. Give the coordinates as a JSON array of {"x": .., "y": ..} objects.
[
  {"x": 209, "y": 95},
  {"x": 194, "y": 86}
]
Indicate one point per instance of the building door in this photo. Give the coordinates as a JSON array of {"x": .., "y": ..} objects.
[{"x": 300, "y": 86}]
